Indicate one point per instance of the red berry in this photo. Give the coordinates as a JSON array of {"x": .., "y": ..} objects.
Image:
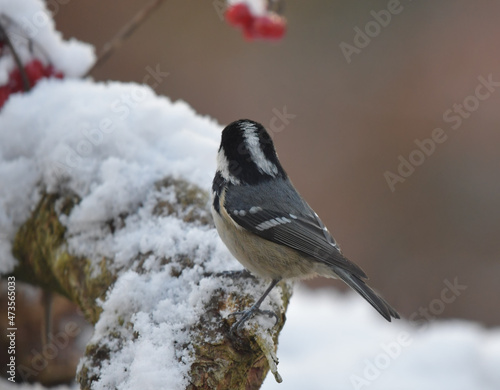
[
  {"x": 249, "y": 33},
  {"x": 51, "y": 72},
  {"x": 239, "y": 15},
  {"x": 15, "y": 83},
  {"x": 4, "y": 94},
  {"x": 35, "y": 71},
  {"x": 270, "y": 26}
]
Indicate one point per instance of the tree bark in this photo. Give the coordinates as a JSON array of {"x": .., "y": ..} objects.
[{"x": 232, "y": 362}]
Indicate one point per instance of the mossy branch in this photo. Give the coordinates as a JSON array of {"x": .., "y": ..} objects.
[{"x": 44, "y": 259}]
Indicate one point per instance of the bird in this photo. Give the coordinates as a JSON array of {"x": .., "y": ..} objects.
[{"x": 268, "y": 226}]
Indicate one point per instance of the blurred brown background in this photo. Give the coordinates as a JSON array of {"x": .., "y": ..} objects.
[{"x": 352, "y": 122}]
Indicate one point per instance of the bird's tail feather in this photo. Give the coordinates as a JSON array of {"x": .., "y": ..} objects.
[{"x": 366, "y": 292}]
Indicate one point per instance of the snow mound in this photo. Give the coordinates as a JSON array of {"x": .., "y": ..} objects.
[
  {"x": 122, "y": 151},
  {"x": 106, "y": 143}
]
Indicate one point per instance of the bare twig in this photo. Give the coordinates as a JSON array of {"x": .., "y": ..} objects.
[
  {"x": 6, "y": 39},
  {"x": 124, "y": 33}
]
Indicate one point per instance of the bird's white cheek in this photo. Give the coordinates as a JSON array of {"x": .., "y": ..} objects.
[{"x": 223, "y": 168}]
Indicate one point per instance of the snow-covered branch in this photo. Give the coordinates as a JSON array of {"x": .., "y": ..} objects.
[{"x": 107, "y": 203}]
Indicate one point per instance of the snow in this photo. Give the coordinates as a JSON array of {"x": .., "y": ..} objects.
[
  {"x": 110, "y": 144},
  {"x": 55, "y": 138},
  {"x": 337, "y": 341},
  {"x": 256, "y": 7},
  {"x": 30, "y": 19},
  {"x": 54, "y": 143},
  {"x": 153, "y": 359}
]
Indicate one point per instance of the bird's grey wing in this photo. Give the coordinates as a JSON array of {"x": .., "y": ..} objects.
[
  {"x": 304, "y": 233},
  {"x": 288, "y": 220},
  {"x": 307, "y": 234}
]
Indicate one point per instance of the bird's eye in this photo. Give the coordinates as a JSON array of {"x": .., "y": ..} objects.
[{"x": 234, "y": 168}]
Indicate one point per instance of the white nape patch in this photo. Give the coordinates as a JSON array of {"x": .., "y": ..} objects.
[
  {"x": 252, "y": 141},
  {"x": 223, "y": 168},
  {"x": 272, "y": 223},
  {"x": 255, "y": 209}
]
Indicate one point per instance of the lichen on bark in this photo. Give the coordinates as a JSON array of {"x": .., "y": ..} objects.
[{"x": 220, "y": 360}]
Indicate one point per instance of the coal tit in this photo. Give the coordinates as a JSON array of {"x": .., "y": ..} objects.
[{"x": 268, "y": 226}]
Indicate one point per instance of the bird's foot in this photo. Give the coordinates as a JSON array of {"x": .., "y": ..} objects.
[{"x": 247, "y": 314}]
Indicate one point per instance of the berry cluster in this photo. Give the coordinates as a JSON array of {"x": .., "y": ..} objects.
[
  {"x": 269, "y": 26},
  {"x": 34, "y": 71}
]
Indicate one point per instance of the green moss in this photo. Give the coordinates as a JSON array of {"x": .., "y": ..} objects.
[
  {"x": 95, "y": 355},
  {"x": 234, "y": 362},
  {"x": 190, "y": 205},
  {"x": 39, "y": 246},
  {"x": 74, "y": 273}
]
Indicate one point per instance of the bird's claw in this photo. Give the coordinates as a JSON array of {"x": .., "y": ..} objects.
[{"x": 247, "y": 314}]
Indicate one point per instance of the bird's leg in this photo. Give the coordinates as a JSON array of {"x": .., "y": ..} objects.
[
  {"x": 240, "y": 273},
  {"x": 246, "y": 314}
]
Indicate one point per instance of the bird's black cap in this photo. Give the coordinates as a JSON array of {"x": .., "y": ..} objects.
[{"x": 247, "y": 153}]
